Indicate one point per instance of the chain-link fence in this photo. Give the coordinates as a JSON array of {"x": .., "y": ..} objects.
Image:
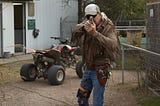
[{"x": 141, "y": 64}]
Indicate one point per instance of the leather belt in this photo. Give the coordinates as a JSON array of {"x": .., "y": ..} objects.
[
  {"x": 90, "y": 66},
  {"x": 94, "y": 67}
]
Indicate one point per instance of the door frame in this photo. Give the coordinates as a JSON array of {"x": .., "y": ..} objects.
[{"x": 23, "y": 24}]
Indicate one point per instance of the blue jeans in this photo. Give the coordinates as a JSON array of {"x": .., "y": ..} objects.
[{"x": 89, "y": 82}]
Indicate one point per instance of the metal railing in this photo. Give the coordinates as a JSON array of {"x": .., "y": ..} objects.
[{"x": 130, "y": 25}]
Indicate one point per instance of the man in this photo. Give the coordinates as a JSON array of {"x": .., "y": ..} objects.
[{"x": 100, "y": 48}]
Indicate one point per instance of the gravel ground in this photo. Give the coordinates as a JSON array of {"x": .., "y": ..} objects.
[{"x": 15, "y": 92}]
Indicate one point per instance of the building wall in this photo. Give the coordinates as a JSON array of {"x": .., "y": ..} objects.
[
  {"x": 47, "y": 19},
  {"x": 69, "y": 17},
  {"x": 153, "y": 26},
  {"x": 48, "y": 16},
  {"x": 1, "y": 42},
  {"x": 153, "y": 41}
]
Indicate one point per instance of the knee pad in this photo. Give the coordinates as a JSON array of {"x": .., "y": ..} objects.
[{"x": 83, "y": 93}]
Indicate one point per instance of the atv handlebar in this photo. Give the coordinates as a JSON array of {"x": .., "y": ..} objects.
[
  {"x": 55, "y": 38},
  {"x": 63, "y": 41}
]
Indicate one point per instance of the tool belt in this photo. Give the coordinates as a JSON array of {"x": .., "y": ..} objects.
[{"x": 102, "y": 73}]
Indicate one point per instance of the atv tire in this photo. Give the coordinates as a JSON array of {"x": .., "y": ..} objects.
[
  {"x": 56, "y": 75},
  {"x": 79, "y": 69},
  {"x": 28, "y": 72}
]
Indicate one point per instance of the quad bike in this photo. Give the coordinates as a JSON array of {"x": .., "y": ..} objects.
[
  {"x": 50, "y": 64},
  {"x": 68, "y": 55},
  {"x": 47, "y": 64}
]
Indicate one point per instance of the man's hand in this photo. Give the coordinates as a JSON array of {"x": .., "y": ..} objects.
[{"x": 90, "y": 27}]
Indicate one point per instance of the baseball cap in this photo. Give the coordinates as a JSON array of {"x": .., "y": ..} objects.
[{"x": 91, "y": 9}]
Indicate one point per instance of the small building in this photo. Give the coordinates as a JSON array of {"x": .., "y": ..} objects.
[
  {"x": 153, "y": 44},
  {"x": 31, "y": 23}
]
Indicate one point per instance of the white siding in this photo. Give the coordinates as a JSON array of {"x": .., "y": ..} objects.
[
  {"x": 47, "y": 15},
  {"x": 69, "y": 16},
  {"x": 8, "y": 27}
]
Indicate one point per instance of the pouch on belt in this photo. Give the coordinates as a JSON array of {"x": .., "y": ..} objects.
[{"x": 102, "y": 74}]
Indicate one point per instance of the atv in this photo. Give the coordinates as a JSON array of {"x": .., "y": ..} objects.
[
  {"x": 47, "y": 64},
  {"x": 68, "y": 52}
]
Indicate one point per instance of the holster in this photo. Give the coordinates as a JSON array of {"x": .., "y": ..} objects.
[{"x": 102, "y": 74}]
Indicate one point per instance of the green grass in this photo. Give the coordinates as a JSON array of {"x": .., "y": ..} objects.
[
  {"x": 145, "y": 98},
  {"x": 11, "y": 71},
  {"x": 132, "y": 60},
  {"x": 154, "y": 101}
]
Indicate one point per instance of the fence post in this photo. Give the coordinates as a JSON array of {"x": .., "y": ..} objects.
[{"x": 122, "y": 64}]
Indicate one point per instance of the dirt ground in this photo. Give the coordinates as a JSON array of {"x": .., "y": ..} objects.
[{"x": 15, "y": 92}]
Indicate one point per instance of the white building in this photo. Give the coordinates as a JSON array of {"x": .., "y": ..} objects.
[{"x": 18, "y": 19}]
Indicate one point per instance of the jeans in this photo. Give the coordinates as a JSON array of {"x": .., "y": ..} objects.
[{"x": 89, "y": 82}]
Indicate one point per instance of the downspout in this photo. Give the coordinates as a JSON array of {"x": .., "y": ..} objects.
[{"x": 1, "y": 32}]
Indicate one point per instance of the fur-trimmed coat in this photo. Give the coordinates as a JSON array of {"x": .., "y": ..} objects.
[{"x": 102, "y": 49}]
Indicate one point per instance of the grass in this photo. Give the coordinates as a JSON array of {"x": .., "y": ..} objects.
[
  {"x": 11, "y": 71},
  {"x": 154, "y": 101},
  {"x": 144, "y": 97},
  {"x": 132, "y": 60}
]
